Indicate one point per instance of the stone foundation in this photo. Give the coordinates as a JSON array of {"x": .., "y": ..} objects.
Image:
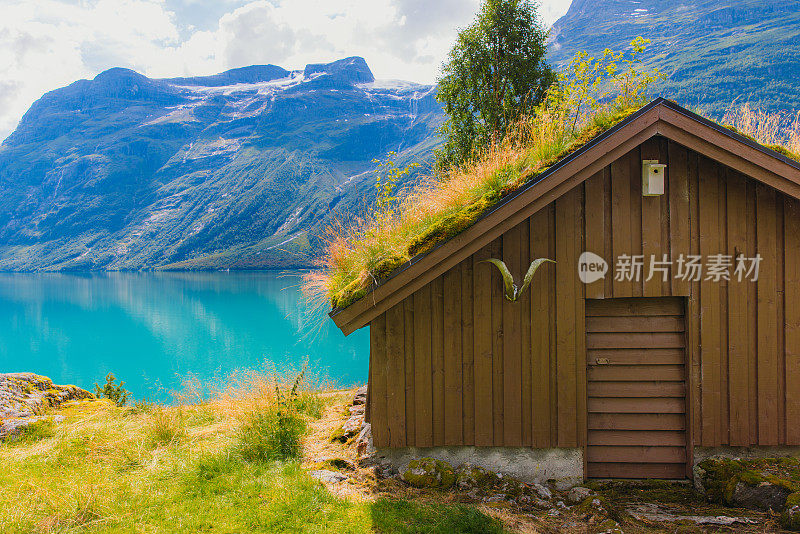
[
  {"x": 563, "y": 466},
  {"x": 703, "y": 453}
]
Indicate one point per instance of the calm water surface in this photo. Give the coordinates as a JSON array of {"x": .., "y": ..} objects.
[{"x": 153, "y": 330}]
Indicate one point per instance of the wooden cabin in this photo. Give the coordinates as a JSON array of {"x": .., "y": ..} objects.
[{"x": 639, "y": 375}]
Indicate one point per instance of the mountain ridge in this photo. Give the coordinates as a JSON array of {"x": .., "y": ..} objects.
[{"x": 242, "y": 169}]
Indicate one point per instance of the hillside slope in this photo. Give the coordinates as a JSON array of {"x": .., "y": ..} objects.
[
  {"x": 238, "y": 170},
  {"x": 715, "y": 52}
]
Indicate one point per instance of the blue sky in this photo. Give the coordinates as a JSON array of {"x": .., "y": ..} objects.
[{"x": 46, "y": 44}]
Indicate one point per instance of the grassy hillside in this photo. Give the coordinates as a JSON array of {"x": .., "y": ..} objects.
[
  {"x": 201, "y": 466},
  {"x": 183, "y": 470}
]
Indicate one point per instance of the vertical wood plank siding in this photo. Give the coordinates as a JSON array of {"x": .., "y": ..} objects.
[{"x": 458, "y": 364}]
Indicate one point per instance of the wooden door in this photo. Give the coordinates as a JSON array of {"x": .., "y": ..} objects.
[{"x": 636, "y": 388}]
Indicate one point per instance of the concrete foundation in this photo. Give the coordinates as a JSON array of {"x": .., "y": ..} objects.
[{"x": 562, "y": 466}]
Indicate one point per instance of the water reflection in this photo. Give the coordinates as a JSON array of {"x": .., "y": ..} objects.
[{"x": 152, "y": 329}]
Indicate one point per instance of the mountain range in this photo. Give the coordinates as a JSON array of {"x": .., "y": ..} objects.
[
  {"x": 246, "y": 169},
  {"x": 243, "y": 169}
]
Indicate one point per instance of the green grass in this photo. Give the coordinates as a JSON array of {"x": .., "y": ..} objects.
[
  {"x": 409, "y": 517},
  {"x": 102, "y": 471},
  {"x": 42, "y": 429}
]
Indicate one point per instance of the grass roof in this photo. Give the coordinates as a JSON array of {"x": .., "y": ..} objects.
[{"x": 364, "y": 251}]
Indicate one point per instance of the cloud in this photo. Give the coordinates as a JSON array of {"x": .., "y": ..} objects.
[
  {"x": 46, "y": 44},
  {"x": 255, "y": 32},
  {"x": 9, "y": 91},
  {"x": 552, "y": 10}
]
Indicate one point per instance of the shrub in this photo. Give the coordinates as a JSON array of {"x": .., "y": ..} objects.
[
  {"x": 271, "y": 435},
  {"x": 116, "y": 393},
  {"x": 274, "y": 433}
]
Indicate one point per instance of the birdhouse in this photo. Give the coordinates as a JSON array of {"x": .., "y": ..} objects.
[{"x": 653, "y": 178}]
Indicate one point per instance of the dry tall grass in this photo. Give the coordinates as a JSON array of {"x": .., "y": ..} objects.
[
  {"x": 245, "y": 392},
  {"x": 780, "y": 131},
  {"x": 106, "y": 467}
]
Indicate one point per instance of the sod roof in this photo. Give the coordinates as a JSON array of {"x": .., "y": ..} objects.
[{"x": 659, "y": 118}]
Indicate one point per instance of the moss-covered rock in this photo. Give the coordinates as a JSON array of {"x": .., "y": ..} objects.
[
  {"x": 25, "y": 396},
  {"x": 513, "y": 488},
  {"x": 759, "y": 484},
  {"x": 599, "y": 511},
  {"x": 338, "y": 435},
  {"x": 430, "y": 473},
  {"x": 790, "y": 518},
  {"x": 579, "y": 494},
  {"x": 716, "y": 477},
  {"x": 471, "y": 477},
  {"x": 608, "y": 526}
]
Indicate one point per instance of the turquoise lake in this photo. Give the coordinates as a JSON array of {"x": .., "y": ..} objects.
[{"x": 155, "y": 330}]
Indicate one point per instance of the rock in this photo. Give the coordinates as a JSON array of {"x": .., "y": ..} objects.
[
  {"x": 363, "y": 441},
  {"x": 356, "y": 410},
  {"x": 352, "y": 426},
  {"x": 361, "y": 396},
  {"x": 386, "y": 469},
  {"x": 765, "y": 496},
  {"x": 578, "y": 494},
  {"x": 383, "y": 467},
  {"x": 541, "y": 504},
  {"x": 662, "y": 514},
  {"x": 790, "y": 518},
  {"x": 330, "y": 477},
  {"x": 543, "y": 492},
  {"x": 25, "y": 396},
  {"x": 471, "y": 477},
  {"x": 429, "y": 473}
]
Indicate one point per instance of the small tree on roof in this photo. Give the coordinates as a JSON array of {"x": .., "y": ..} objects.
[{"x": 495, "y": 72}]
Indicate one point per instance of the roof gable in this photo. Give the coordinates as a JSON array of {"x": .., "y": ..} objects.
[{"x": 660, "y": 117}]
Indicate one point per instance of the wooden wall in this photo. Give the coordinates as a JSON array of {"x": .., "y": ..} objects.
[{"x": 457, "y": 364}]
